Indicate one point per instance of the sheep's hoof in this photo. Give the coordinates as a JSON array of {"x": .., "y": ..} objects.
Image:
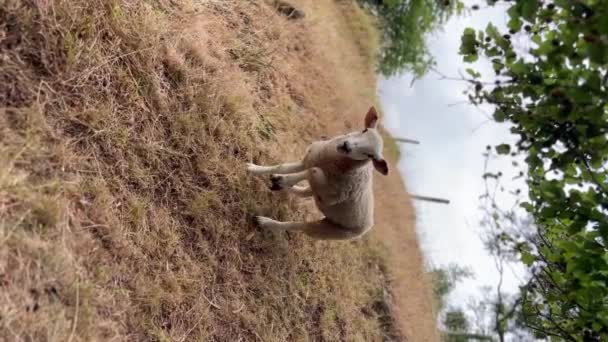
[
  {"x": 256, "y": 221},
  {"x": 276, "y": 183}
]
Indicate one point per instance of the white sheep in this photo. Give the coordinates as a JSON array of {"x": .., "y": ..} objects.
[{"x": 339, "y": 173}]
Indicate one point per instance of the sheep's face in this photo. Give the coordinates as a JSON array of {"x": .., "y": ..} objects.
[
  {"x": 361, "y": 145},
  {"x": 366, "y": 144}
]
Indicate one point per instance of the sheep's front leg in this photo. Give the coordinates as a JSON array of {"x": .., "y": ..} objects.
[
  {"x": 321, "y": 230},
  {"x": 314, "y": 175},
  {"x": 280, "y": 182},
  {"x": 260, "y": 170}
]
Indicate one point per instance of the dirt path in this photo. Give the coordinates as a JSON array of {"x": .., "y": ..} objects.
[{"x": 411, "y": 287}]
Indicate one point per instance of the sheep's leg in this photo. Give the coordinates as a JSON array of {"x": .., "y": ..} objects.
[
  {"x": 321, "y": 230},
  {"x": 327, "y": 230},
  {"x": 314, "y": 175},
  {"x": 280, "y": 182},
  {"x": 300, "y": 191},
  {"x": 260, "y": 170}
]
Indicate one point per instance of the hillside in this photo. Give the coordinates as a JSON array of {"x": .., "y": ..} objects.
[{"x": 124, "y": 205}]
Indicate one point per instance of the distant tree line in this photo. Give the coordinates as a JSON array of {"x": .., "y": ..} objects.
[{"x": 404, "y": 25}]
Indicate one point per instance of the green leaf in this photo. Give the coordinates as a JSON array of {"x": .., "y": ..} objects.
[
  {"x": 503, "y": 149},
  {"x": 597, "y": 53},
  {"x": 519, "y": 68},
  {"x": 514, "y": 12},
  {"x": 529, "y": 9},
  {"x": 468, "y": 42},
  {"x": 500, "y": 116},
  {"x": 527, "y": 206},
  {"x": 470, "y": 58},
  {"x": 497, "y": 65},
  {"x": 469, "y": 31},
  {"x": 515, "y": 24},
  {"x": 527, "y": 258},
  {"x": 473, "y": 73}
]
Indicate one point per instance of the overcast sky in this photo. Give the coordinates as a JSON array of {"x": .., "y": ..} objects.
[{"x": 448, "y": 163}]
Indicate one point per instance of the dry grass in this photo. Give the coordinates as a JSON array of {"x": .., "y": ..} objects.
[{"x": 124, "y": 126}]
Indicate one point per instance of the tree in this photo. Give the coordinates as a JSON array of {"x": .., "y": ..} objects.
[
  {"x": 444, "y": 281},
  {"x": 404, "y": 25},
  {"x": 456, "y": 321},
  {"x": 456, "y": 327},
  {"x": 555, "y": 97},
  {"x": 501, "y": 310},
  {"x": 456, "y": 324}
]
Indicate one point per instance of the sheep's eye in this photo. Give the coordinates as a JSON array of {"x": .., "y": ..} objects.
[{"x": 365, "y": 130}]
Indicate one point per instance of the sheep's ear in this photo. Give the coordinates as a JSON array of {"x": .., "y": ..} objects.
[
  {"x": 371, "y": 119},
  {"x": 381, "y": 166}
]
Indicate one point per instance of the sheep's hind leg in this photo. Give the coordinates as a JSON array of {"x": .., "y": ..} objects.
[
  {"x": 320, "y": 230},
  {"x": 260, "y": 170},
  {"x": 300, "y": 191}
]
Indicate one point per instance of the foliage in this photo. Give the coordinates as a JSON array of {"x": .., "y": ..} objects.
[
  {"x": 444, "y": 281},
  {"x": 405, "y": 24},
  {"x": 456, "y": 326},
  {"x": 455, "y": 320},
  {"x": 459, "y": 328},
  {"x": 554, "y": 95}
]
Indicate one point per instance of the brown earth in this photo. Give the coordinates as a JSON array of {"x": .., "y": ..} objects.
[{"x": 124, "y": 206}]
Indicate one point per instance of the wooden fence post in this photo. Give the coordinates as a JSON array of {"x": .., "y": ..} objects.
[
  {"x": 407, "y": 141},
  {"x": 430, "y": 199}
]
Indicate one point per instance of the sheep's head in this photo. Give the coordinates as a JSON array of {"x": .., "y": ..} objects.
[{"x": 367, "y": 144}]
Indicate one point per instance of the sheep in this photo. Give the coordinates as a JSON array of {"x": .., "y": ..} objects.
[{"x": 339, "y": 173}]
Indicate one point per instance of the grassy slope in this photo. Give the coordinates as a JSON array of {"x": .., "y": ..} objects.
[{"x": 124, "y": 207}]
